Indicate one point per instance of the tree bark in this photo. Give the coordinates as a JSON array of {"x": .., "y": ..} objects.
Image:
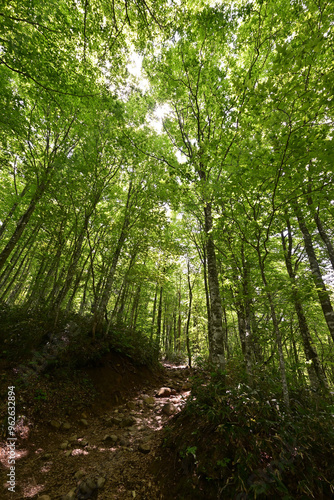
[
  {"x": 322, "y": 292},
  {"x": 315, "y": 372},
  {"x": 217, "y": 353},
  {"x": 12, "y": 210},
  {"x": 21, "y": 225},
  {"x": 277, "y": 333}
]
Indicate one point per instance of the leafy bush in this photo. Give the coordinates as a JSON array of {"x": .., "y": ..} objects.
[{"x": 248, "y": 446}]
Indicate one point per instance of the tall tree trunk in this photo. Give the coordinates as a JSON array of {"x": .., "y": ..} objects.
[
  {"x": 190, "y": 288},
  {"x": 22, "y": 224},
  {"x": 217, "y": 341},
  {"x": 101, "y": 305},
  {"x": 315, "y": 372},
  {"x": 324, "y": 236},
  {"x": 153, "y": 312},
  {"x": 323, "y": 294},
  {"x": 159, "y": 318},
  {"x": 12, "y": 210},
  {"x": 276, "y": 331}
]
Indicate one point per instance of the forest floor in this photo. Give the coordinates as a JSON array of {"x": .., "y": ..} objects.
[{"x": 95, "y": 435}]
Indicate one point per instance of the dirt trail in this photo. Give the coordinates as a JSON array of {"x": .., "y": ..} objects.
[{"x": 103, "y": 454}]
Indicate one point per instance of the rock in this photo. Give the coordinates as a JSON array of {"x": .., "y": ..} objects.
[
  {"x": 83, "y": 443},
  {"x": 55, "y": 424},
  {"x": 110, "y": 438},
  {"x": 128, "y": 421},
  {"x": 79, "y": 474},
  {"x": 113, "y": 421},
  {"x": 84, "y": 422},
  {"x": 64, "y": 445},
  {"x": 148, "y": 400},
  {"x": 84, "y": 489},
  {"x": 144, "y": 448},
  {"x": 73, "y": 438},
  {"x": 169, "y": 409},
  {"x": 91, "y": 483},
  {"x": 68, "y": 453},
  {"x": 70, "y": 495},
  {"x": 66, "y": 426},
  {"x": 164, "y": 392},
  {"x": 100, "y": 482}
]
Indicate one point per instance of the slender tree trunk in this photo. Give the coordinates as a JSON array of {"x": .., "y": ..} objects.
[
  {"x": 217, "y": 341},
  {"x": 315, "y": 372},
  {"x": 12, "y": 210},
  {"x": 159, "y": 318},
  {"x": 30, "y": 241},
  {"x": 277, "y": 333},
  {"x": 101, "y": 306},
  {"x": 135, "y": 307},
  {"x": 323, "y": 294},
  {"x": 179, "y": 321},
  {"x": 20, "y": 281},
  {"x": 153, "y": 312},
  {"x": 207, "y": 299},
  {"x": 190, "y": 288},
  {"x": 324, "y": 236},
  {"x": 22, "y": 224}
]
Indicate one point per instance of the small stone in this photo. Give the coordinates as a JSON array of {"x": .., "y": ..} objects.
[
  {"x": 66, "y": 426},
  {"x": 100, "y": 482},
  {"x": 114, "y": 421},
  {"x": 55, "y": 424},
  {"x": 128, "y": 421},
  {"x": 144, "y": 448},
  {"x": 91, "y": 484},
  {"x": 64, "y": 445},
  {"x": 168, "y": 409},
  {"x": 84, "y": 422},
  {"x": 164, "y": 392},
  {"x": 73, "y": 438},
  {"x": 85, "y": 489},
  {"x": 148, "y": 400},
  {"x": 68, "y": 453},
  {"x": 79, "y": 474},
  {"x": 70, "y": 495},
  {"x": 110, "y": 438}
]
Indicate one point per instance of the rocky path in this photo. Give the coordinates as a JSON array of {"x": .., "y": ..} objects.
[{"x": 105, "y": 455}]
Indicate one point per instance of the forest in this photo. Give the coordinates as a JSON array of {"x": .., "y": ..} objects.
[{"x": 167, "y": 193}]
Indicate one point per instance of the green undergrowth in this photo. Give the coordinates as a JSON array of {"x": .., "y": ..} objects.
[
  {"x": 36, "y": 339},
  {"x": 240, "y": 443}
]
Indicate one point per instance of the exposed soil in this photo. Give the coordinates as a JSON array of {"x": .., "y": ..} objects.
[{"x": 115, "y": 420}]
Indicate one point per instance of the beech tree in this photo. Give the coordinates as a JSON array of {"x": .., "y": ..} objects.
[{"x": 118, "y": 191}]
